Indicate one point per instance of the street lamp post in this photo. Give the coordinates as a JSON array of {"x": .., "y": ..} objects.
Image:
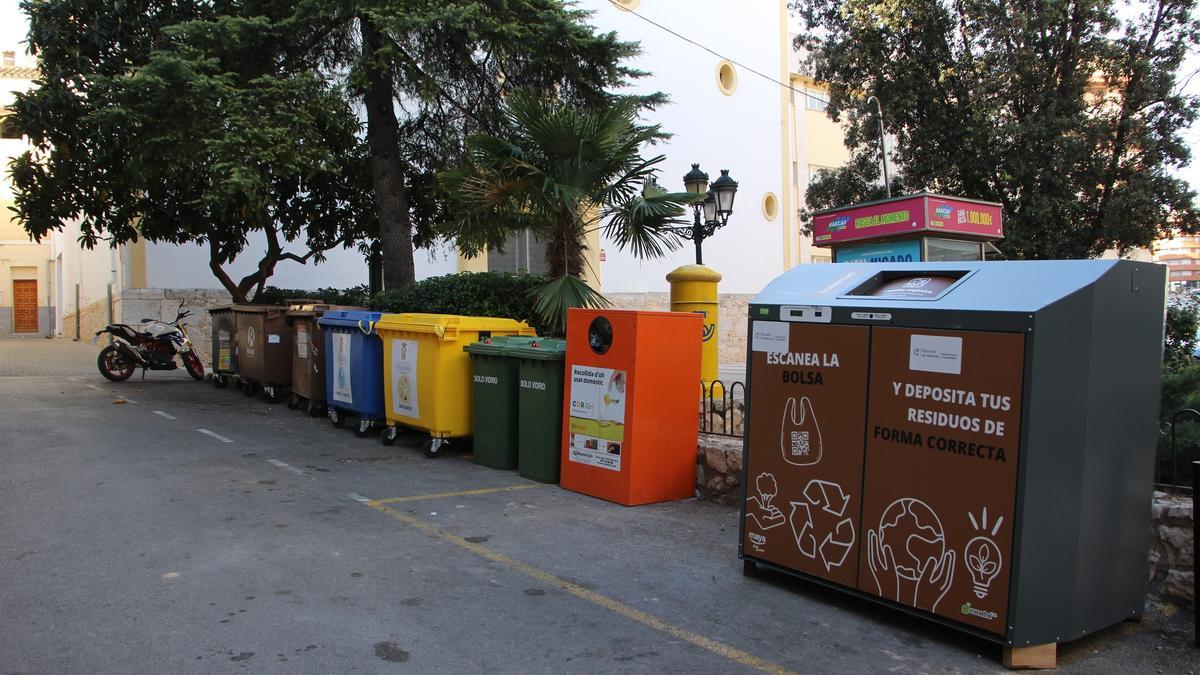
[
  {"x": 694, "y": 287},
  {"x": 712, "y": 213}
]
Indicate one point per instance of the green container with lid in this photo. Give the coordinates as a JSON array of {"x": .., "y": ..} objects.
[
  {"x": 540, "y": 367},
  {"x": 494, "y": 390}
]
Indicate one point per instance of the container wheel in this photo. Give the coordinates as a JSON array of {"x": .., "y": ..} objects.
[
  {"x": 432, "y": 447},
  {"x": 749, "y": 568},
  {"x": 315, "y": 409},
  {"x": 336, "y": 417},
  {"x": 388, "y": 437},
  {"x": 363, "y": 428},
  {"x": 249, "y": 388},
  {"x": 238, "y": 383},
  {"x": 220, "y": 381},
  {"x": 293, "y": 401}
]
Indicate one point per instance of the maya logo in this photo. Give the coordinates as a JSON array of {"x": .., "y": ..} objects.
[
  {"x": 944, "y": 211},
  {"x": 839, "y": 223},
  {"x": 919, "y": 282}
]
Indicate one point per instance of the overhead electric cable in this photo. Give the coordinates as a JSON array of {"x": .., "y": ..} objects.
[{"x": 716, "y": 53}]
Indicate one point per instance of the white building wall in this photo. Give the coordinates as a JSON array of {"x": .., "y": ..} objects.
[
  {"x": 186, "y": 266},
  {"x": 741, "y": 132}
]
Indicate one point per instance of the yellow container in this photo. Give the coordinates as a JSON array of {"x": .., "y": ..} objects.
[
  {"x": 428, "y": 374},
  {"x": 694, "y": 289}
]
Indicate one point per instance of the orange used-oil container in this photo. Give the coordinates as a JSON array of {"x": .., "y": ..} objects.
[{"x": 629, "y": 408}]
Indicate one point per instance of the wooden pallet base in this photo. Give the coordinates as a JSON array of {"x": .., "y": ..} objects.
[{"x": 1032, "y": 657}]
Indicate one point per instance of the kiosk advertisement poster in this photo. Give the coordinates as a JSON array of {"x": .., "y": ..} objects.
[
  {"x": 343, "y": 389},
  {"x": 805, "y": 463},
  {"x": 908, "y": 216},
  {"x": 404, "y": 378},
  {"x": 941, "y": 471},
  {"x": 908, "y": 250},
  {"x": 597, "y": 421}
]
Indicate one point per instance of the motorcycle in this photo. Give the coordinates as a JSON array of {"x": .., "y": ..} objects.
[{"x": 152, "y": 345}]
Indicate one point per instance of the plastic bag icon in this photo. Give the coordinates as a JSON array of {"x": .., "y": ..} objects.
[{"x": 800, "y": 439}]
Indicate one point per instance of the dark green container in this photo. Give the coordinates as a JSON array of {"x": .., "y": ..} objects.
[
  {"x": 494, "y": 388},
  {"x": 539, "y": 427}
]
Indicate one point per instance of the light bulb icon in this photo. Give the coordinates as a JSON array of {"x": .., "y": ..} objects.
[
  {"x": 983, "y": 562},
  {"x": 982, "y": 555}
]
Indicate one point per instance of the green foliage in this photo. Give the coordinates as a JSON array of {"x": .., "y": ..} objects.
[
  {"x": 1180, "y": 390},
  {"x": 189, "y": 123},
  {"x": 356, "y": 296},
  {"x": 562, "y": 170},
  {"x": 494, "y": 294},
  {"x": 452, "y": 64},
  {"x": 1065, "y": 114},
  {"x": 1179, "y": 340},
  {"x": 553, "y": 298}
]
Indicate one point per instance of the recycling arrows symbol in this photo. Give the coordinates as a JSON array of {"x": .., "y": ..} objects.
[{"x": 820, "y": 523}]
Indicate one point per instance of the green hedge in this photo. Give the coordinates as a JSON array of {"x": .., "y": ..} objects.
[
  {"x": 357, "y": 296},
  {"x": 470, "y": 294}
]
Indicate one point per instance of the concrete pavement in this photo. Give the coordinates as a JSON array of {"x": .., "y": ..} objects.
[{"x": 133, "y": 541}]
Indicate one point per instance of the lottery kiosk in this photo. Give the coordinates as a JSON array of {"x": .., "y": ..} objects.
[{"x": 913, "y": 228}]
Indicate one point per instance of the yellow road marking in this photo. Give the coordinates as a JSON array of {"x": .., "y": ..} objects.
[
  {"x": 460, "y": 493},
  {"x": 719, "y": 648}
]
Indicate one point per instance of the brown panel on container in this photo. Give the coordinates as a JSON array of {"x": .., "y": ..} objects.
[
  {"x": 804, "y": 469},
  {"x": 941, "y": 471},
  {"x": 25, "y": 306}
]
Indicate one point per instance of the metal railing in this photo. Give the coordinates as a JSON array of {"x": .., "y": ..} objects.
[
  {"x": 723, "y": 408},
  {"x": 1160, "y": 475}
]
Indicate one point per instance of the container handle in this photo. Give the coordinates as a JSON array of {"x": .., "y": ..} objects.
[{"x": 370, "y": 330}]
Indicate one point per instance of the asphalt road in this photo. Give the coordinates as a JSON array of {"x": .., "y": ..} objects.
[{"x": 168, "y": 526}]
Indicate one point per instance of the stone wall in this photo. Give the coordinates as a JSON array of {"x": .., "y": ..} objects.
[
  {"x": 92, "y": 318},
  {"x": 1172, "y": 566},
  {"x": 135, "y": 304},
  {"x": 732, "y": 311},
  {"x": 719, "y": 469}
]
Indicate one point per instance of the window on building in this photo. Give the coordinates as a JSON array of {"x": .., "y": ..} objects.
[
  {"x": 822, "y": 259},
  {"x": 815, "y": 99},
  {"x": 814, "y": 169},
  {"x": 523, "y": 252},
  {"x": 8, "y": 58}
]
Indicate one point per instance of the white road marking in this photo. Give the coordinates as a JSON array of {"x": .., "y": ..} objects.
[
  {"x": 286, "y": 467},
  {"x": 357, "y": 497},
  {"x": 163, "y": 414},
  {"x": 217, "y": 436}
]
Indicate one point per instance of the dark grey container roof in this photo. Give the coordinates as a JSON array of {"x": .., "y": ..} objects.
[{"x": 1004, "y": 286}]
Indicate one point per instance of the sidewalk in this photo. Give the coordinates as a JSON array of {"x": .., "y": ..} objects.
[{"x": 46, "y": 358}]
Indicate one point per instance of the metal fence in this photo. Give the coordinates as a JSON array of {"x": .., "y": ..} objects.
[
  {"x": 1167, "y": 471},
  {"x": 722, "y": 408}
]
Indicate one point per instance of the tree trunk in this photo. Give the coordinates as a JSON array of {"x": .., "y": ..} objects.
[
  {"x": 558, "y": 264},
  {"x": 387, "y": 174}
]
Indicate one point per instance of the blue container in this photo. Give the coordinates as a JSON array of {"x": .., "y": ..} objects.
[{"x": 353, "y": 366}]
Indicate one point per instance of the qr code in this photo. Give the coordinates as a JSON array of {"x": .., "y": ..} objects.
[{"x": 800, "y": 446}]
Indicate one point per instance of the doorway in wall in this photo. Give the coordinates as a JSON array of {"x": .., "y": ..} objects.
[{"x": 25, "y": 306}]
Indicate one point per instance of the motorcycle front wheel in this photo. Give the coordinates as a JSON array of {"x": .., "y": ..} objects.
[
  {"x": 113, "y": 365},
  {"x": 193, "y": 365}
]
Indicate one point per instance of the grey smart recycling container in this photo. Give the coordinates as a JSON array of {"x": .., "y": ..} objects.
[{"x": 972, "y": 442}]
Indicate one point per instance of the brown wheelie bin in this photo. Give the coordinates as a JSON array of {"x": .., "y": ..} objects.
[
  {"x": 308, "y": 359},
  {"x": 264, "y": 350}
]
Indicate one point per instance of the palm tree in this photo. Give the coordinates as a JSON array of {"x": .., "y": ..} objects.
[{"x": 562, "y": 172}]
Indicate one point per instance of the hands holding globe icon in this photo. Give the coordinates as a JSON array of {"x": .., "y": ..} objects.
[{"x": 908, "y": 555}]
